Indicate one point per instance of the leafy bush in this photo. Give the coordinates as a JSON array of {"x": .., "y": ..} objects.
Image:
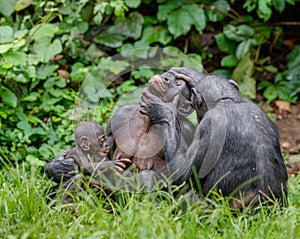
[{"x": 50, "y": 49}]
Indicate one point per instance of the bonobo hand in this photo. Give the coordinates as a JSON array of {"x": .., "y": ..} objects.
[
  {"x": 115, "y": 165},
  {"x": 188, "y": 74},
  {"x": 121, "y": 164},
  {"x": 156, "y": 109}
]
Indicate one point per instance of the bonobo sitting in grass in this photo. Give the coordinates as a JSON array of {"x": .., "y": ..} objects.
[
  {"x": 88, "y": 157},
  {"x": 235, "y": 148}
]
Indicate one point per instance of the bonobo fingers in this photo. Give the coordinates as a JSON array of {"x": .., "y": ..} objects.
[{"x": 122, "y": 162}]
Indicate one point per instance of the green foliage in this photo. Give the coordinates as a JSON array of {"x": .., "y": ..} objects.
[
  {"x": 56, "y": 66},
  {"x": 287, "y": 83}
]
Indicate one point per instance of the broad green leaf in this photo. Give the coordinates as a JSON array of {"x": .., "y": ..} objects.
[
  {"x": 264, "y": 9},
  {"x": 271, "y": 69},
  {"x": 78, "y": 72},
  {"x": 137, "y": 50},
  {"x": 133, "y": 3},
  {"x": 34, "y": 161},
  {"x": 22, "y": 4},
  {"x": 238, "y": 33},
  {"x": 5, "y": 47},
  {"x": 7, "y": 7},
  {"x": 293, "y": 57},
  {"x": 82, "y": 27},
  {"x": 270, "y": 93},
  {"x": 44, "y": 71},
  {"x": 279, "y": 5},
  {"x": 229, "y": 61},
  {"x": 15, "y": 58},
  {"x": 224, "y": 72},
  {"x": 214, "y": 15},
  {"x": 110, "y": 37},
  {"x": 179, "y": 23},
  {"x": 6, "y": 34},
  {"x": 143, "y": 71},
  {"x": 197, "y": 15},
  {"x": 224, "y": 44},
  {"x": 243, "y": 48},
  {"x": 53, "y": 49},
  {"x": 130, "y": 26},
  {"x": 193, "y": 60},
  {"x": 242, "y": 74},
  {"x": 164, "y": 10},
  {"x": 115, "y": 67},
  {"x": 263, "y": 33},
  {"x": 156, "y": 34},
  {"x": 42, "y": 31},
  {"x": 33, "y": 96},
  {"x": 250, "y": 5},
  {"x": 230, "y": 32},
  {"x": 8, "y": 97},
  {"x": 21, "y": 78},
  {"x": 45, "y": 49}
]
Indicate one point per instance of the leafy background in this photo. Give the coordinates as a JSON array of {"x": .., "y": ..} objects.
[{"x": 48, "y": 48}]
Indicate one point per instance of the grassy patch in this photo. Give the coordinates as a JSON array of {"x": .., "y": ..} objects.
[{"x": 24, "y": 213}]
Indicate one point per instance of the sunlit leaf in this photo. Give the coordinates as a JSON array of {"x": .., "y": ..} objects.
[
  {"x": 179, "y": 23},
  {"x": 7, "y": 7},
  {"x": 8, "y": 97},
  {"x": 133, "y": 3},
  {"x": 224, "y": 44},
  {"x": 22, "y": 4},
  {"x": 15, "y": 58},
  {"x": 156, "y": 34},
  {"x": 215, "y": 15}
]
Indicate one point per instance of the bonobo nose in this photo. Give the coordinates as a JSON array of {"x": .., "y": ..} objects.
[{"x": 155, "y": 79}]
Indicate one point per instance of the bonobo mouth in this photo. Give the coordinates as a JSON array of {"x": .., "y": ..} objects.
[
  {"x": 104, "y": 151},
  {"x": 154, "y": 82}
]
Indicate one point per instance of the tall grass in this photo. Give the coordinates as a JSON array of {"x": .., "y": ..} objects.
[{"x": 24, "y": 213}]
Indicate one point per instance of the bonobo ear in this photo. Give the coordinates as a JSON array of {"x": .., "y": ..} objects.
[
  {"x": 185, "y": 107},
  {"x": 85, "y": 143},
  {"x": 236, "y": 86},
  {"x": 196, "y": 98}
]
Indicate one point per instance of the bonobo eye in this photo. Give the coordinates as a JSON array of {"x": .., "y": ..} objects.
[
  {"x": 178, "y": 81},
  {"x": 102, "y": 140}
]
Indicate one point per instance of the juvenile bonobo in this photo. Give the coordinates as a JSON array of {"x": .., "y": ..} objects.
[
  {"x": 235, "y": 146},
  {"x": 135, "y": 138},
  {"x": 88, "y": 156}
]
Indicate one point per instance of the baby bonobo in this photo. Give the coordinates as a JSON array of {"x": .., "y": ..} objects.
[{"x": 88, "y": 157}]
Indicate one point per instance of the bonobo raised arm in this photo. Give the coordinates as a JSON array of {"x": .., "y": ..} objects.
[{"x": 235, "y": 145}]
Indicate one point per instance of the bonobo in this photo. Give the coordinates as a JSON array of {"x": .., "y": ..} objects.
[
  {"x": 235, "y": 148},
  {"x": 133, "y": 135},
  {"x": 88, "y": 156}
]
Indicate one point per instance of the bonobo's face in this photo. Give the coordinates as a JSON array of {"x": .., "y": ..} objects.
[
  {"x": 91, "y": 139},
  {"x": 167, "y": 86}
]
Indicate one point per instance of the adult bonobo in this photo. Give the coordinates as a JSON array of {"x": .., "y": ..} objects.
[
  {"x": 133, "y": 136},
  {"x": 235, "y": 146}
]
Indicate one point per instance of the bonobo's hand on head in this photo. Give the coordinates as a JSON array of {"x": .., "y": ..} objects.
[{"x": 169, "y": 92}]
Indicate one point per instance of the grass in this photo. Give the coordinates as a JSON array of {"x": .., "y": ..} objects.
[{"x": 24, "y": 213}]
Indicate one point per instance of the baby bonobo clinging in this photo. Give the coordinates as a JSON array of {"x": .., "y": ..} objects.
[{"x": 88, "y": 156}]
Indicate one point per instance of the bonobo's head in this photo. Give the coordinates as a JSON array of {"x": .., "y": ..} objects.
[
  {"x": 169, "y": 85},
  {"x": 207, "y": 90},
  {"x": 90, "y": 138}
]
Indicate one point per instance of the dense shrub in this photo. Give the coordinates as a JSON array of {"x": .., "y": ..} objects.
[{"x": 49, "y": 48}]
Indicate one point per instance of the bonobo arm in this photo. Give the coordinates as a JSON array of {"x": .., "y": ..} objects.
[{"x": 163, "y": 115}]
